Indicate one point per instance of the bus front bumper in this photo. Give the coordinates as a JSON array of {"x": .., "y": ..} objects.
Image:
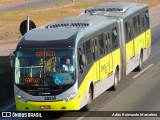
[{"x": 47, "y": 106}]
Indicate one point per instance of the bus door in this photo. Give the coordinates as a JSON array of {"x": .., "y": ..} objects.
[
  {"x": 104, "y": 59},
  {"x": 95, "y": 58}
]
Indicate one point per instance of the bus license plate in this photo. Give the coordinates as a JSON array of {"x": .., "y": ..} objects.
[{"x": 49, "y": 98}]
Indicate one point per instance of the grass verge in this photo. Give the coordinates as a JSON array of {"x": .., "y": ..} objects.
[{"x": 10, "y": 20}]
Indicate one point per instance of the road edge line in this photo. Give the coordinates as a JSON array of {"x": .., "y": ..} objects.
[
  {"x": 9, "y": 106},
  {"x": 145, "y": 69}
]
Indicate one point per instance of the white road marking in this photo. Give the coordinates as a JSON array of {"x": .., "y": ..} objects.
[
  {"x": 154, "y": 25},
  {"x": 9, "y": 106},
  {"x": 83, "y": 116},
  {"x": 145, "y": 69},
  {"x": 155, "y": 12},
  {"x": 137, "y": 75}
]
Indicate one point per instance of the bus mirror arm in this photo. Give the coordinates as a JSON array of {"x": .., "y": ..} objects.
[{"x": 12, "y": 59}]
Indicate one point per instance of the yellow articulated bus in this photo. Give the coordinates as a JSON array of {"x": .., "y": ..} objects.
[{"x": 66, "y": 64}]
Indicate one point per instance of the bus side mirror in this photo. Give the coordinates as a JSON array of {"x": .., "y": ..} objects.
[{"x": 12, "y": 59}]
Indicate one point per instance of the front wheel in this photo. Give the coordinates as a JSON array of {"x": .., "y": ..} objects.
[{"x": 88, "y": 106}]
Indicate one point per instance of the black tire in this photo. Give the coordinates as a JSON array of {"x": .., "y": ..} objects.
[
  {"x": 139, "y": 68},
  {"x": 88, "y": 106},
  {"x": 114, "y": 87}
]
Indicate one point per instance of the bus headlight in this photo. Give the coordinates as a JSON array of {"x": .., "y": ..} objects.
[
  {"x": 21, "y": 98},
  {"x": 70, "y": 97}
]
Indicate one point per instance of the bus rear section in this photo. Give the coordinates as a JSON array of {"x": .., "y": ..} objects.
[{"x": 138, "y": 40}]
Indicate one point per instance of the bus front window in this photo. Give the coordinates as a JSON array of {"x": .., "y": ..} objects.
[{"x": 45, "y": 67}]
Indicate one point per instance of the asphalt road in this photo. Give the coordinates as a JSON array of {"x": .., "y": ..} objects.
[
  {"x": 32, "y": 4},
  {"x": 137, "y": 91}
]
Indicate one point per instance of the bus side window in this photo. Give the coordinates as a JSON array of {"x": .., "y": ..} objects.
[
  {"x": 87, "y": 51},
  {"x": 94, "y": 48},
  {"x": 107, "y": 41},
  {"x": 138, "y": 25},
  {"x": 128, "y": 31},
  {"x": 147, "y": 24},
  {"x": 81, "y": 65},
  {"x": 135, "y": 27},
  {"x": 142, "y": 22},
  {"x": 101, "y": 44},
  {"x": 115, "y": 38}
]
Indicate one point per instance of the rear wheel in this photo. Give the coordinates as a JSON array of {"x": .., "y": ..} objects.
[
  {"x": 140, "y": 63},
  {"x": 114, "y": 87}
]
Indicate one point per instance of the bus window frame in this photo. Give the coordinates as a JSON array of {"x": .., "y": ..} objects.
[
  {"x": 93, "y": 41},
  {"x": 80, "y": 64},
  {"x": 148, "y": 21},
  {"x": 135, "y": 26},
  {"x": 139, "y": 24},
  {"x": 101, "y": 55},
  {"x": 142, "y": 20},
  {"x": 84, "y": 51},
  {"x": 127, "y": 38},
  {"x": 108, "y": 40},
  {"x": 118, "y": 43}
]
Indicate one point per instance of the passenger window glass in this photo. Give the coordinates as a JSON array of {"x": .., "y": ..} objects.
[
  {"x": 138, "y": 25},
  {"x": 147, "y": 24},
  {"x": 114, "y": 38},
  {"x": 87, "y": 52},
  {"x": 142, "y": 23},
  {"x": 128, "y": 31},
  {"x": 107, "y": 41},
  {"x": 101, "y": 44},
  {"x": 135, "y": 27},
  {"x": 94, "y": 48},
  {"x": 81, "y": 65}
]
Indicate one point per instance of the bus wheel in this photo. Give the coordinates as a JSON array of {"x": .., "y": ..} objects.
[
  {"x": 114, "y": 87},
  {"x": 140, "y": 63},
  {"x": 88, "y": 106}
]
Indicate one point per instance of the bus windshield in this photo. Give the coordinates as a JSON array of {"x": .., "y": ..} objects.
[{"x": 45, "y": 67}]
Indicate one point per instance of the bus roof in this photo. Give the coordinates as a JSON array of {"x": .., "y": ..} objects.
[
  {"x": 116, "y": 9},
  {"x": 63, "y": 33}
]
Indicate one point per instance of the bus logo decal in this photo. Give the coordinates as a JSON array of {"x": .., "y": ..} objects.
[{"x": 58, "y": 79}]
